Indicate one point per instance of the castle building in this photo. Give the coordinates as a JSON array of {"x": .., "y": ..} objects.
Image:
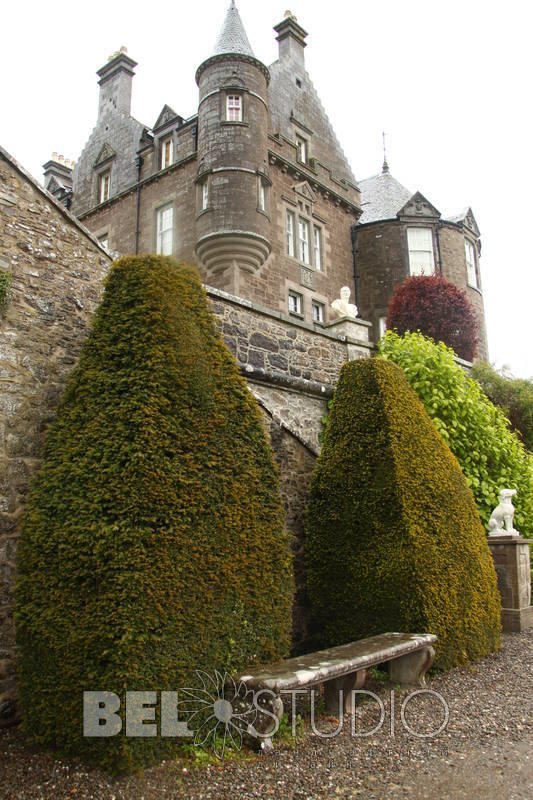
[{"x": 256, "y": 190}]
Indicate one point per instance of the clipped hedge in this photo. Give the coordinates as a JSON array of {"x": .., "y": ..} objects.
[
  {"x": 394, "y": 541},
  {"x": 513, "y": 395},
  {"x": 154, "y": 541},
  {"x": 478, "y": 434}
]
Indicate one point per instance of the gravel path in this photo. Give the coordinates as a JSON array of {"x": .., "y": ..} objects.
[{"x": 486, "y": 751}]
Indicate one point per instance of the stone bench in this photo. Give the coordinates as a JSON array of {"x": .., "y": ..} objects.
[{"x": 344, "y": 668}]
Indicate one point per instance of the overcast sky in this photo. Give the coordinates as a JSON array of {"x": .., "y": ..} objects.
[{"x": 450, "y": 83}]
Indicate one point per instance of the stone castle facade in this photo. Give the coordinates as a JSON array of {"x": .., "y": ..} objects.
[{"x": 255, "y": 189}]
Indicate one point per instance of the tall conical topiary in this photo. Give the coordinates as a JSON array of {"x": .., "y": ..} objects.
[
  {"x": 394, "y": 540},
  {"x": 154, "y": 541}
]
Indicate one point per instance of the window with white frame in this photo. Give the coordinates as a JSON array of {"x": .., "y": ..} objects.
[
  {"x": 471, "y": 271},
  {"x": 303, "y": 240},
  {"x": 317, "y": 311},
  {"x": 165, "y": 230},
  {"x": 262, "y": 195},
  {"x": 234, "y": 108},
  {"x": 167, "y": 152},
  {"x": 306, "y": 249},
  {"x": 301, "y": 149},
  {"x": 317, "y": 247},
  {"x": 295, "y": 303},
  {"x": 205, "y": 195},
  {"x": 382, "y": 326},
  {"x": 420, "y": 242},
  {"x": 291, "y": 244},
  {"x": 104, "y": 186}
]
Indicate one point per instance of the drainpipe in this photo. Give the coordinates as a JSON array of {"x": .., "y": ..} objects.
[
  {"x": 138, "y": 164},
  {"x": 353, "y": 232},
  {"x": 437, "y": 229}
]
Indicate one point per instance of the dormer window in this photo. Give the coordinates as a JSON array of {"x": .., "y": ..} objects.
[
  {"x": 167, "y": 152},
  {"x": 104, "y": 183},
  {"x": 234, "y": 108},
  {"x": 301, "y": 149}
]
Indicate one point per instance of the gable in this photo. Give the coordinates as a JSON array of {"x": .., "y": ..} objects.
[
  {"x": 419, "y": 206},
  {"x": 166, "y": 116},
  {"x": 470, "y": 222},
  {"x": 105, "y": 154}
]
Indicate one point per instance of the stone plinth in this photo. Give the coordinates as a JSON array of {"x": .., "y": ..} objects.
[
  {"x": 512, "y": 563},
  {"x": 349, "y": 328}
]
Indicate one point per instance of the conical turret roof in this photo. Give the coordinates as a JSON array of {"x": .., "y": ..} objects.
[{"x": 232, "y": 38}]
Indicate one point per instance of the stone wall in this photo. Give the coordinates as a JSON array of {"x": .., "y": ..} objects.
[{"x": 56, "y": 273}]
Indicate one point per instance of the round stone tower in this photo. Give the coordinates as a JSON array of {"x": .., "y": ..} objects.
[{"x": 232, "y": 222}]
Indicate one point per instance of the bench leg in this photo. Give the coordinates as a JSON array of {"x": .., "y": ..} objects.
[
  {"x": 410, "y": 670},
  {"x": 345, "y": 684}
]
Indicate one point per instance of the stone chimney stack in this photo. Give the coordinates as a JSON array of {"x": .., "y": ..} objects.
[
  {"x": 115, "y": 83},
  {"x": 291, "y": 38},
  {"x": 60, "y": 169}
]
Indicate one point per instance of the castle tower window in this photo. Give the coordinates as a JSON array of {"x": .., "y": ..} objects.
[
  {"x": 295, "y": 303},
  {"x": 291, "y": 249},
  {"x": 234, "y": 108},
  {"x": 104, "y": 185},
  {"x": 317, "y": 311},
  {"x": 301, "y": 149},
  {"x": 165, "y": 230},
  {"x": 471, "y": 271},
  {"x": 167, "y": 152},
  {"x": 420, "y": 242},
  {"x": 317, "y": 247},
  {"x": 303, "y": 227},
  {"x": 205, "y": 195}
]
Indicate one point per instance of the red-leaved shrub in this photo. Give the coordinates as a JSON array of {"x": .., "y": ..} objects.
[{"x": 437, "y": 308}]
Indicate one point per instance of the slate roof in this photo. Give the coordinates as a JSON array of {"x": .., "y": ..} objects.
[
  {"x": 382, "y": 196},
  {"x": 232, "y": 38}
]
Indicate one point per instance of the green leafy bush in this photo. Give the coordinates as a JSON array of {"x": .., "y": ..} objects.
[
  {"x": 5, "y": 283},
  {"x": 394, "y": 540},
  {"x": 478, "y": 434},
  {"x": 154, "y": 541},
  {"x": 513, "y": 395}
]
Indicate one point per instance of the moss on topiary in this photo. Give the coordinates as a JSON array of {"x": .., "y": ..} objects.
[
  {"x": 394, "y": 540},
  {"x": 154, "y": 541}
]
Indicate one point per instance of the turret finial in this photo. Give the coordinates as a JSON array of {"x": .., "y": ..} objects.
[{"x": 385, "y": 168}]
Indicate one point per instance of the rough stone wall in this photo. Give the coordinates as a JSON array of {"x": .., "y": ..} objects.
[
  {"x": 56, "y": 279},
  {"x": 452, "y": 245},
  {"x": 381, "y": 259}
]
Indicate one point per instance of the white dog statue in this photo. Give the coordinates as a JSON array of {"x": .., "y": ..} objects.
[{"x": 501, "y": 519}]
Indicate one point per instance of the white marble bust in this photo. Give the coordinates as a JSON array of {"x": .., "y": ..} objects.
[{"x": 342, "y": 305}]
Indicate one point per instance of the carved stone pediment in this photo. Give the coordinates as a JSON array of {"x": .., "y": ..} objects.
[
  {"x": 105, "y": 154},
  {"x": 305, "y": 190},
  {"x": 470, "y": 222},
  {"x": 419, "y": 206},
  {"x": 166, "y": 116}
]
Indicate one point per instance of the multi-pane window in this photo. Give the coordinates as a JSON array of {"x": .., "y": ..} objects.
[
  {"x": 234, "y": 108},
  {"x": 317, "y": 247},
  {"x": 382, "y": 324},
  {"x": 167, "y": 152},
  {"x": 295, "y": 303},
  {"x": 205, "y": 195},
  {"x": 291, "y": 245},
  {"x": 308, "y": 250},
  {"x": 165, "y": 230},
  {"x": 471, "y": 271},
  {"x": 317, "y": 311},
  {"x": 420, "y": 241},
  {"x": 301, "y": 149},
  {"x": 104, "y": 183},
  {"x": 303, "y": 240}
]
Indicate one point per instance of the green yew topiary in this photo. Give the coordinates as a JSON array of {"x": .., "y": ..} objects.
[
  {"x": 394, "y": 541},
  {"x": 154, "y": 541},
  {"x": 476, "y": 431}
]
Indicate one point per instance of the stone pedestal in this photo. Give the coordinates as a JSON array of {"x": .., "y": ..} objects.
[
  {"x": 354, "y": 332},
  {"x": 512, "y": 563}
]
